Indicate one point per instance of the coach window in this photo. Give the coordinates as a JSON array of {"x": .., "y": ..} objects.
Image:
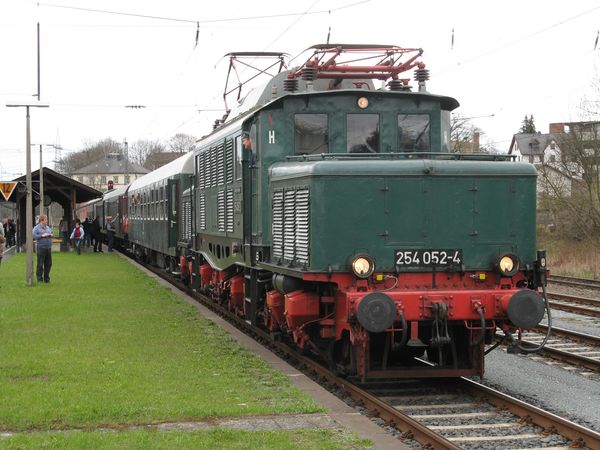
[
  {"x": 157, "y": 202},
  {"x": 311, "y": 134},
  {"x": 161, "y": 197},
  {"x": 362, "y": 133},
  {"x": 154, "y": 203},
  {"x": 150, "y": 203},
  {"x": 173, "y": 198},
  {"x": 145, "y": 205},
  {"x": 413, "y": 132}
]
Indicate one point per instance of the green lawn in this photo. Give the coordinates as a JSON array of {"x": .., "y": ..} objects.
[
  {"x": 103, "y": 345},
  {"x": 212, "y": 440}
]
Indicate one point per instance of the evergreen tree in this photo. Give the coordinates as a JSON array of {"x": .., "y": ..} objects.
[{"x": 528, "y": 126}]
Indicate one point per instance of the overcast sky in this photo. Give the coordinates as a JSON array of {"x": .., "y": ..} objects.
[{"x": 509, "y": 58}]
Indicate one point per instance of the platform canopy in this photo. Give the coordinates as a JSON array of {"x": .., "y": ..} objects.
[{"x": 58, "y": 188}]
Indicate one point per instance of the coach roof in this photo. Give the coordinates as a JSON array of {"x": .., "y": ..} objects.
[{"x": 183, "y": 164}]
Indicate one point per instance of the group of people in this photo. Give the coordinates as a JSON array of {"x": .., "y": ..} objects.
[
  {"x": 84, "y": 233},
  {"x": 88, "y": 234}
]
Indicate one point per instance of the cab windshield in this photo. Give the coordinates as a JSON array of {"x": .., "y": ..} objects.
[
  {"x": 413, "y": 133},
  {"x": 362, "y": 133}
]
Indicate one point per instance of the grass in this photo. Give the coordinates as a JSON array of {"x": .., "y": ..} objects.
[
  {"x": 570, "y": 257},
  {"x": 215, "y": 439},
  {"x": 103, "y": 345}
]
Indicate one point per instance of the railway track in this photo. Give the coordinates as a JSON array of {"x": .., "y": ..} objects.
[
  {"x": 471, "y": 416},
  {"x": 575, "y": 282},
  {"x": 458, "y": 414},
  {"x": 570, "y": 347},
  {"x": 574, "y": 304}
]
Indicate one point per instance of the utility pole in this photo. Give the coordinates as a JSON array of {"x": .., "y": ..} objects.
[
  {"x": 126, "y": 145},
  {"x": 29, "y": 199},
  {"x": 41, "y": 182},
  {"x": 38, "y": 62}
]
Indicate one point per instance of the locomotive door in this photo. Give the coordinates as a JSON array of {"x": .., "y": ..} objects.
[{"x": 173, "y": 211}]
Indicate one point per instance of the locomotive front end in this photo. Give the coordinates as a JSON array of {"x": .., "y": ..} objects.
[{"x": 410, "y": 258}]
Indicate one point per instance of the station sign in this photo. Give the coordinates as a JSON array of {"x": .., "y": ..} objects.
[{"x": 7, "y": 188}]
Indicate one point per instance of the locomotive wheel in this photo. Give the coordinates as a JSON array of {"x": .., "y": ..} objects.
[{"x": 342, "y": 360}]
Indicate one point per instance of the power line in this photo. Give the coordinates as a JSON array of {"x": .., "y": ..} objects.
[
  {"x": 195, "y": 21},
  {"x": 145, "y": 106},
  {"x": 535, "y": 33}
]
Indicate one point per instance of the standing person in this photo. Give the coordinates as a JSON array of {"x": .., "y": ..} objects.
[
  {"x": 86, "y": 231},
  {"x": 63, "y": 227},
  {"x": 110, "y": 231},
  {"x": 11, "y": 232},
  {"x": 95, "y": 228},
  {"x": 42, "y": 233},
  {"x": 2, "y": 240},
  {"x": 247, "y": 144},
  {"x": 77, "y": 236}
]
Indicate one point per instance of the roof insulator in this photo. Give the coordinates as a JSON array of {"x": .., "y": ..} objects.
[{"x": 290, "y": 84}]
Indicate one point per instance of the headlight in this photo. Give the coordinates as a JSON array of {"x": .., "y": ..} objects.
[
  {"x": 363, "y": 266},
  {"x": 508, "y": 265},
  {"x": 362, "y": 102}
]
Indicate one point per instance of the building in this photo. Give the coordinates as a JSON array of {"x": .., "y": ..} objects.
[
  {"x": 113, "y": 168},
  {"x": 536, "y": 148},
  {"x": 555, "y": 176}
]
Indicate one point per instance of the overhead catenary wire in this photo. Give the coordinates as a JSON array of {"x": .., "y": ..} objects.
[
  {"x": 186, "y": 22},
  {"x": 516, "y": 41},
  {"x": 298, "y": 16},
  {"x": 197, "y": 21}
]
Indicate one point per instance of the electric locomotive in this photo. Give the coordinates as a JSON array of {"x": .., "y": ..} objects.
[{"x": 348, "y": 227}]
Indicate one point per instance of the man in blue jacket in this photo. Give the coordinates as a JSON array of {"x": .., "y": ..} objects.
[{"x": 42, "y": 233}]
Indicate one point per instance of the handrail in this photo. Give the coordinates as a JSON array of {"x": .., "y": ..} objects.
[{"x": 405, "y": 155}]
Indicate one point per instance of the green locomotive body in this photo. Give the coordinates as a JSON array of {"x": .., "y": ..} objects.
[{"x": 349, "y": 227}]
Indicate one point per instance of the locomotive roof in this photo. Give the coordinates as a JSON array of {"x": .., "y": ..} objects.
[
  {"x": 447, "y": 103},
  {"x": 183, "y": 164},
  {"x": 259, "y": 98},
  {"x": 336, "y": 68}
]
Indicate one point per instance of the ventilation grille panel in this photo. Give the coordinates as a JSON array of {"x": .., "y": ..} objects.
[{"x": 291, "y": 225}]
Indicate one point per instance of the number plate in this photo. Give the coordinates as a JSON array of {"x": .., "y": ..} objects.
[{"x": 428, "y": 258}]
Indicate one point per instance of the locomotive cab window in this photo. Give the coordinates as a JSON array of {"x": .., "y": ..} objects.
[
  {"x": 413, "y": 132},
  {"x": 311, "y": 134},
  {"x": 238, "y": 157},
  {"x": 446, "y": 122},
  {"x": 362, "y": 135}
]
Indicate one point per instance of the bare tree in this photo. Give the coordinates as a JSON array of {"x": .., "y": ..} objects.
[
  {"x": 91, "y": 153},
  {"x": 465, "y": 136},
  {"x": 570, "y": 185},
  {"x": 181, "y": 143},
  {"x": 140, "y": 151}
]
